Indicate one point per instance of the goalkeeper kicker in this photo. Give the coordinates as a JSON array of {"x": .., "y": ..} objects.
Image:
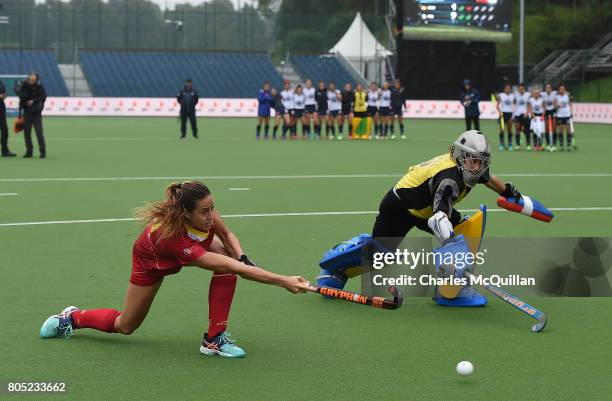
[{"x": 425, "y": 198}]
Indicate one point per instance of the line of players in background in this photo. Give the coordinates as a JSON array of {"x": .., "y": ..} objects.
[
  {"x": 327, "y": 106},
  {"x": 538, "y": 115}
]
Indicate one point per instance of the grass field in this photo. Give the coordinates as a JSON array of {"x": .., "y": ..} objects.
[{"x": 299, "y": 347}]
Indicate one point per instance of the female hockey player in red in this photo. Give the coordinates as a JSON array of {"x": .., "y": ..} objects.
[{"x": 183, "y": 229}]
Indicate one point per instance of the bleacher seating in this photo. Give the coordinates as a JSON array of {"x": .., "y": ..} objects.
[
  {"x": 161, "y": 74},
  {"x": 326, "y": 68},
  {"x": 16, "y": 62}
]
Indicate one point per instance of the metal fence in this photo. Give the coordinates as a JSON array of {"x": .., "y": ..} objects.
[
  {"x": 143, "y": 25},
  {"x": 129, "y": 25}
]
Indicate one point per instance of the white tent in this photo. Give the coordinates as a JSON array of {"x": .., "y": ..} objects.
[{"x": 361, "y": 49}]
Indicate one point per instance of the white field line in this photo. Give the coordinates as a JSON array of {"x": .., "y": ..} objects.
[
  {"x": 291, "y": 214},
  {"x": 111, "y": 139},
  {"x": 9, "y": 194},
  {"x": 278, "y": 177},
  {"x": 239, "y": 189},
  {"x": 211, "y": 177}
]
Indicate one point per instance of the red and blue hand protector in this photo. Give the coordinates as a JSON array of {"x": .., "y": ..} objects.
[{"x": 527, "y": 206}]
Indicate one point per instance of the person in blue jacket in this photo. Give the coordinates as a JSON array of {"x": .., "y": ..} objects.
[
  {"x": 469, "y": 98},
  {"x": 188, "y": 99},
  {"x": 263, "y": 110}
]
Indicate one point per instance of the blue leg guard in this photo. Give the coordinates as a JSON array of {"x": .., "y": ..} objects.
[
  {"x": 468, "y": 297},
  {"x": 454, "y": 252},
  {"x": 331, "y": 279},
  {"x": 344, "y": 261}
]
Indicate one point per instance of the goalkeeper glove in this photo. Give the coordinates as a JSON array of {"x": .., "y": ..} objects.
[
  {"x": 245, "y": 259},
  {"x": 441, "y": 226},
  {"x": 511, "y": 192}
]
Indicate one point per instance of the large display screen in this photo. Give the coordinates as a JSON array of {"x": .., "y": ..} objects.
[{"x": 477, "y": 20}]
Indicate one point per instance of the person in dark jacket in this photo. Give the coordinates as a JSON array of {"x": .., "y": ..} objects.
[
  {"x": 279, "y": 110},
  {"x": 398, "y": 104},
  {"x": 32, "y": 98},
  {"x": 188, "y": 99},
  {"x": 3, "y": 126},
  {"x": 469, "y": 98}
]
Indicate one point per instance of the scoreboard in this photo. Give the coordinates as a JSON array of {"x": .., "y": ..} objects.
[{"x": 478, "y": 20}]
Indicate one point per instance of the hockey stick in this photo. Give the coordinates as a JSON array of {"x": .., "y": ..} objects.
[
  {"x": 518, "y": 304},
  {"x": 375, "y": 302}
]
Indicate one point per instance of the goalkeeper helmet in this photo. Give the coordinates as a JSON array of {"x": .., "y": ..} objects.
[{"x": 472, "y": 153}]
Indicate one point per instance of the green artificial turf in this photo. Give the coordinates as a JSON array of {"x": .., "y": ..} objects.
[{"x": 299, "y": 347}]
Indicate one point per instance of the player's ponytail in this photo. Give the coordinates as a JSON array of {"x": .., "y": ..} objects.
[{"x": 171, "y": 213}]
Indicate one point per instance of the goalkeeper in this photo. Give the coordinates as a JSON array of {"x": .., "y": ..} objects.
[{"x": 425, "y": 197}]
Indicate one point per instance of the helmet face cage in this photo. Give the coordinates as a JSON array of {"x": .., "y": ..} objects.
[
  {"x": 472, "y": 153},
  {"x": 468, "y": 158},
  {"x": 465, "y": 159}
]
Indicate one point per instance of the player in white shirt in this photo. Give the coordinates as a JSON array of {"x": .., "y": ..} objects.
[
  {"x": 521, "y": 119},
  {"x": 372, "y": 102},
  {"x": 310, "y": 103},
  {"x": 334, "y": 106},
  {"x": 535, "y": 110},
  {"x": 385, "y": 109},
  {"x": 287, "y": 100},
  {"x": 549, "y": 96},
  {"x": 299, "y": 108},
  {"x": 505, "y": 107},
  {"x": 563, "y": 104}
]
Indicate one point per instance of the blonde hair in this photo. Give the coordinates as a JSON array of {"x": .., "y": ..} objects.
[{"x": 171, "y": 213}]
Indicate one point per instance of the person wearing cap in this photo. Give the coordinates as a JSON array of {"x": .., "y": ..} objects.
[{"x": 469, "y": 99}]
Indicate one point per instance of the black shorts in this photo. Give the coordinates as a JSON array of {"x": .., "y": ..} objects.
[
  {"x": 346, "y": 111},
  {"x": 279, "y": 111},
  {"x": 360, "y": 114},
  {"x": 563, "y": 120},
  {"x": 385, "y": 111},
  {"x": 397, "y": 111},
  {"x": 322, "y": 111},
  {"x": 333, "y": 113},
  {"x": 311, "y": 108},
  {"x": 372, "y": 110},
  {"x": 394, "y": 221},
  {"x": 507, "y": 117},
  {"x": 298, "y": 113}
]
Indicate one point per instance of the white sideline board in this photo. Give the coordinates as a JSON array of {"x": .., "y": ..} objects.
[{"x": 209, "y": 107}]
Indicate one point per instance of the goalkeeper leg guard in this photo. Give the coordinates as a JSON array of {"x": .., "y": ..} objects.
[
  {"x": 468, "y": 297},
  {"x": 345, "y": 260},
  {"x": 460, "y": 296}
]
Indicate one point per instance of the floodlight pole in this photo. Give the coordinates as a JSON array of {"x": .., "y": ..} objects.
[{"x": 522, "y": 42}]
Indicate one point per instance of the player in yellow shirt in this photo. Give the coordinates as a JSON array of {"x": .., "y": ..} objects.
[
  {"x": 361, "y": 126},
  {"x": 425, "y": 197}
]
